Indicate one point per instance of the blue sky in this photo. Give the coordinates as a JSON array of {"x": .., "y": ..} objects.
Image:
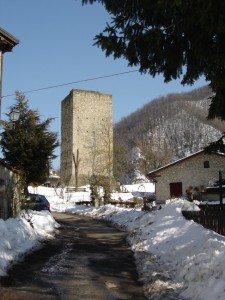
[{"x": 56, "y": 47}]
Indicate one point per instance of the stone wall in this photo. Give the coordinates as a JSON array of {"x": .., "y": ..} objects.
[
  {"x": 11, "y": 189},
  {"x": 86, "y": 118},
  {"x": 190, "y": 172}
]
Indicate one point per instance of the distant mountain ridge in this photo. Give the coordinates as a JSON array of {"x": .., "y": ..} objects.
[{"x": 167, "y": 128}]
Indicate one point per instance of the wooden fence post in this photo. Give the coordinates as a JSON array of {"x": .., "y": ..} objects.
[{"x": 221, "y": 190}]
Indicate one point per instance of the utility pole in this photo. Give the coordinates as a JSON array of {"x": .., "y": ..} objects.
[{"x": 7, "y": 42}]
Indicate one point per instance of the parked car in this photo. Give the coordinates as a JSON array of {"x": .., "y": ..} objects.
[{"x": 37, "y": 202}]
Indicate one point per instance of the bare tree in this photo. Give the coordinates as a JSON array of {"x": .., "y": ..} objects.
[
  {"x": 100, "y": 149},
  {"x": 76, "y": 161},
  {"x": 123, "y": 166},
  {"x": 107, "y": 149},
  {"x": 154, "y": 150},
  {"x": 167, "y": 128}
]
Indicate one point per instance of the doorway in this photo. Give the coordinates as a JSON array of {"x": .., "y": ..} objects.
[{"x": 175, "y": 189}]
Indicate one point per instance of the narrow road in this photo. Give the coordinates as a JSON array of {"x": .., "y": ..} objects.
[{"x": 88, "y": 260}]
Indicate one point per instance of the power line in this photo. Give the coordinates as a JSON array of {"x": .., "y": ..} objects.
[{"x": 68, "y": 83}]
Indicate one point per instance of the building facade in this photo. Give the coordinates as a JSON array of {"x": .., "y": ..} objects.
[
  {"x": 86, "y": 136},
  {"x": 194, "y": 172}
]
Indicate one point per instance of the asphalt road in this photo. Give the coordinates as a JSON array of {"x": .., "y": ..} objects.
[{"x": 88, "y": 260}]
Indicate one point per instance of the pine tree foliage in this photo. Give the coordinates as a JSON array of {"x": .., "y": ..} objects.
[
  {"x": 218, "y": 146},
  {"x": 179, "y": 39},
  {"x": 27, "y": 144}
]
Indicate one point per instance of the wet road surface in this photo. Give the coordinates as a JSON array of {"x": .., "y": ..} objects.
[{"x": 88, "y": 260}]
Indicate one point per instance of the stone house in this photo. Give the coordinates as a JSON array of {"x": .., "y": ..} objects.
[
  {"x": 10, "y": 191},
  {"x": 189, "y": 175}
]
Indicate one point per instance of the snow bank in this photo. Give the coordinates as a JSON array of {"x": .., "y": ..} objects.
[
  {"x": 193, "y": 255},
  {"x": 19, "y": 237},
  {"x": 184, "y": 257}
]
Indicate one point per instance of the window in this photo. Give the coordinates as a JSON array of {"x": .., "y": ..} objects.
[{"x": 206, "y": 164}]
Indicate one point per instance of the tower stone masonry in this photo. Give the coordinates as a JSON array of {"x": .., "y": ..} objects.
[{"x": 86, "y": 136}]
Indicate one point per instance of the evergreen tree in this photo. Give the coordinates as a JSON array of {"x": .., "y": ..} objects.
[
  {"x": 179, "y": 39},
  {"x": 217, "y": 146},
  {"x": 28, "y": 145}
]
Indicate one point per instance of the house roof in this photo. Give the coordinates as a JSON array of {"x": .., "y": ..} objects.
[
  {"x": 7, "y": 41},
  {"x": 155, "y": 173}
]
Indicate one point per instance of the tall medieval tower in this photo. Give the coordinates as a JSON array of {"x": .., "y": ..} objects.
[{"x": 86, "y": 136}]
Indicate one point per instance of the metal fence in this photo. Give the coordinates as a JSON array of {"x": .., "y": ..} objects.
[{"x": 210, "y": 217}]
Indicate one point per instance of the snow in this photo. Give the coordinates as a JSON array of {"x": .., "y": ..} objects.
[
  {"x": 23, "y": 234},
  {"x": 189, "y": 257},
  {"x": 142, "y": 187}
]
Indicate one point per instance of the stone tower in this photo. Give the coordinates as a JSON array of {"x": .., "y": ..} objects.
[{"x": 86, "y": 136}]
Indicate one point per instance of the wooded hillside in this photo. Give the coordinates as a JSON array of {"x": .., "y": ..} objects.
[{"x": 165, "y": 129}]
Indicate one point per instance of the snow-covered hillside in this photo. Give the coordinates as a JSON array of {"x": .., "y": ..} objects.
[{"x": 166, "y": 129}]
